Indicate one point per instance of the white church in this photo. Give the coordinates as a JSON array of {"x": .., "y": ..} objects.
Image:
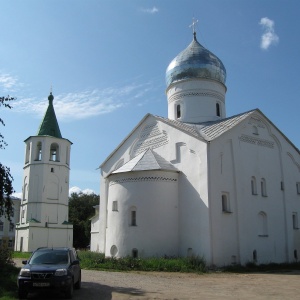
[
  {"x": 198, "y": 182},
  {"x": 44, "y": 209}
]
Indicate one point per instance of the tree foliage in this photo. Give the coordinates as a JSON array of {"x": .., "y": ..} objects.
[
  {"x": 80, "y": 211},
  {"x": 6, "y": 188}
]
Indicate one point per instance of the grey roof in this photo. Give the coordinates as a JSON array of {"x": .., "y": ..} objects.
[
  {"x": 145, "y": 161},
  {"x": 208, "y": 130}
]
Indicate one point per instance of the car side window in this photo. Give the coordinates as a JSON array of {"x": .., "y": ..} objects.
[{"x": 72, "y": 256}]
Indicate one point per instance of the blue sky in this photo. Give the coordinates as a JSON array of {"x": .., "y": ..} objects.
[{"x": 106, "y": 63}]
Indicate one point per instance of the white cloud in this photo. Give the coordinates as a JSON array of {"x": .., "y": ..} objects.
[
  {"x": 7, "y": 81},
  {"x": 269, "y": 36},
  {"x": 85, "y": 104},
  {"x": 77, "y": 190},
  {"x": 152, "y": 10}
]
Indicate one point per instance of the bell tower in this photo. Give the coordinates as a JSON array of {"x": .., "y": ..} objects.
[{"x": 44, "y": 205}]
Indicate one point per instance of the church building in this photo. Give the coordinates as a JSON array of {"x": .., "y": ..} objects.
[
  {"x": 45, "y": 203},
  {"x": 199, "y": 183}
]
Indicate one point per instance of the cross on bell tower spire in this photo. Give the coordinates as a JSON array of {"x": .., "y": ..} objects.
[{"x": 193, "y": 25}]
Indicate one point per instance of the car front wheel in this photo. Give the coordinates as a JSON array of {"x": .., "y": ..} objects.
[
  {"x": 78, "y": 283},
  {"x": 69, "y": 292},
  {"x": 22, "y": 294}
]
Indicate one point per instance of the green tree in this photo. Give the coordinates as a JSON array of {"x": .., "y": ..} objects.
[
  {"x": 81, "y": 209},
  {"x": 6, "y": 188}
]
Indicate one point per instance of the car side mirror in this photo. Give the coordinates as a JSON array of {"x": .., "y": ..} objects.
[
  {"x": 75, "y": 262},
  {"x": 24, "y": 262}
]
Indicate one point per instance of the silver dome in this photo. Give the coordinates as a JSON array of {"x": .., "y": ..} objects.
[{"x": 195, "y": 62}]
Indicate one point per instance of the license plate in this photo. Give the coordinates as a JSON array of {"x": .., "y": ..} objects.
[{"x": 41, "y": 283}]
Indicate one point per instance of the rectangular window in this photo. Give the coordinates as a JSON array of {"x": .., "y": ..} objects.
[
  {"x": 1, "y": 226},
  {"x": 295, "y": 220},
  {"x": 133, "y": 218},
  {"x": 115, "y": 206},
  {"x": 298, "y": 188},
  {"x": 225, "y": 203}
]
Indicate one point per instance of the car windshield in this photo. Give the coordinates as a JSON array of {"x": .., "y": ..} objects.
[{"x": 49, "y": 257}]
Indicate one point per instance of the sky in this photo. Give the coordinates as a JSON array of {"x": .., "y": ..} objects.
[{"x": 105, "y": 62}]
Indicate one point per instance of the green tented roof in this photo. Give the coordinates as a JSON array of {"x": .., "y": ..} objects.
[{"x": 49, "y": 125}]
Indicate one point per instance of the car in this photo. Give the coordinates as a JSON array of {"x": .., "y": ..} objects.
[{"x": 55, "y": 269}]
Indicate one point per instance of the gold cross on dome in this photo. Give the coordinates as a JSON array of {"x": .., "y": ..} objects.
[{"x": 194, "y": 24}]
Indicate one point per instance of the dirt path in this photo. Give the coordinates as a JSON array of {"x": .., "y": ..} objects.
[{"x": 153, "y": 285}]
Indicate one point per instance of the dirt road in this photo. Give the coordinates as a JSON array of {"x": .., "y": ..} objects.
[{"x": 98, "y": 285}]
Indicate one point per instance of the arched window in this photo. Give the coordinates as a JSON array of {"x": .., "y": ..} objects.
[
  {"x": 253, "y": 186},
  {"x": 295, "y": 220},
  {"x": 178, "y": 111},
  {"x": 263, "y": 186},
  {"x": 263, "y": 224},
  {"x": 38, "y": 155},
  {"x": 296, "y": 254},
  {"x": 218, "y": 109},
  {"x": 54, "y": 152}
]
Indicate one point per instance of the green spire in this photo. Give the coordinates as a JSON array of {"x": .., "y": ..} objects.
[{"x": 49, "y": 125}]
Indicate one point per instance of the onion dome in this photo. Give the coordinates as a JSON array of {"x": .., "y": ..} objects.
[{"x": 195, "y": 62}]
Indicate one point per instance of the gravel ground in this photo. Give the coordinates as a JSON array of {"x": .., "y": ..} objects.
[{"x": 98, "y": 285}]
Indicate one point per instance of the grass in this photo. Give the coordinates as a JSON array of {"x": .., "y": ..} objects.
[{"x": 97, "y": 261}]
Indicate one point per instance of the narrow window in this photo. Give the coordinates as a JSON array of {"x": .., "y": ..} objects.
[
  {"x": 282, "y": 185},
  {"x": 115, "y": 205},
  {"x": 262, "y": 223},
  {"x": 1, "y": 226},
  {"x": 253, "y": 186},
  {"x": 135, "y": 253},
  {"x": 178, "y": 111},
  {"x": 52, "y": 170},
  {"x": 295, "y": 220},
  {"x": 263, "y": 187},
  {"x": 254, "y": 255},
  {"x": 218, "y": 111},
  {"x": 54, "y": 152},
  {"x": 133, "y": 218},
  {"x": 298, "y": 188},
  {"x": 296, "y": 254},
  {"x": 225, "y": 203},
  {"x": 27, "y": 153},
  {"x": 38, "y": 151}
]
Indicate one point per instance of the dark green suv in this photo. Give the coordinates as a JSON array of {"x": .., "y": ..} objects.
[{"x": 55, "y": 269}]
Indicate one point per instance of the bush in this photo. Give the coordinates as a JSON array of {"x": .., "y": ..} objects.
[{"x": 5, "y": 257}]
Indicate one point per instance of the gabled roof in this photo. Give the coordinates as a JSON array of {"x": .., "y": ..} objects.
[
  {"x": 49, "y": 125},
  {"x": 145, "y": 161}
]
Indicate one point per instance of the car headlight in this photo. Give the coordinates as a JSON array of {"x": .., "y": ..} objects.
[
  {"x": 25, "y": 272},
  {"x": 60, "y": 272}
]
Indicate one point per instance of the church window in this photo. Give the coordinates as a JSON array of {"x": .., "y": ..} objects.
[
  {"x": 263, "y": 186},
  {"x": 38, "y": 151},
  {"x": 218, "y": 109},
  {"x": 255, "y": 130},
  {"x": 254, "y": 256},
  {"x": 298, "y": 188},
  {"x": 1, "y": 226},
  {"x": 253, "y": 186},
  {"x": 295, "y": 220},
  {"x": 133, "y": 217},
  {"x": 27, "y": 153},
  {"x": 135, "y": 253},
  {"x": 225, "y": 203},
  {"x": 115, "y": 205},
  {"x": 263, "y": 225},
  {"x": 52, "y": 170},
  {"x": 54, "y": 152},
  {"x": 178, "y": 111},
  {"x": 296, "y": 254}
]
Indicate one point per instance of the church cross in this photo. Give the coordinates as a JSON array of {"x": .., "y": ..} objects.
[{"x": 193, "y": 25}]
